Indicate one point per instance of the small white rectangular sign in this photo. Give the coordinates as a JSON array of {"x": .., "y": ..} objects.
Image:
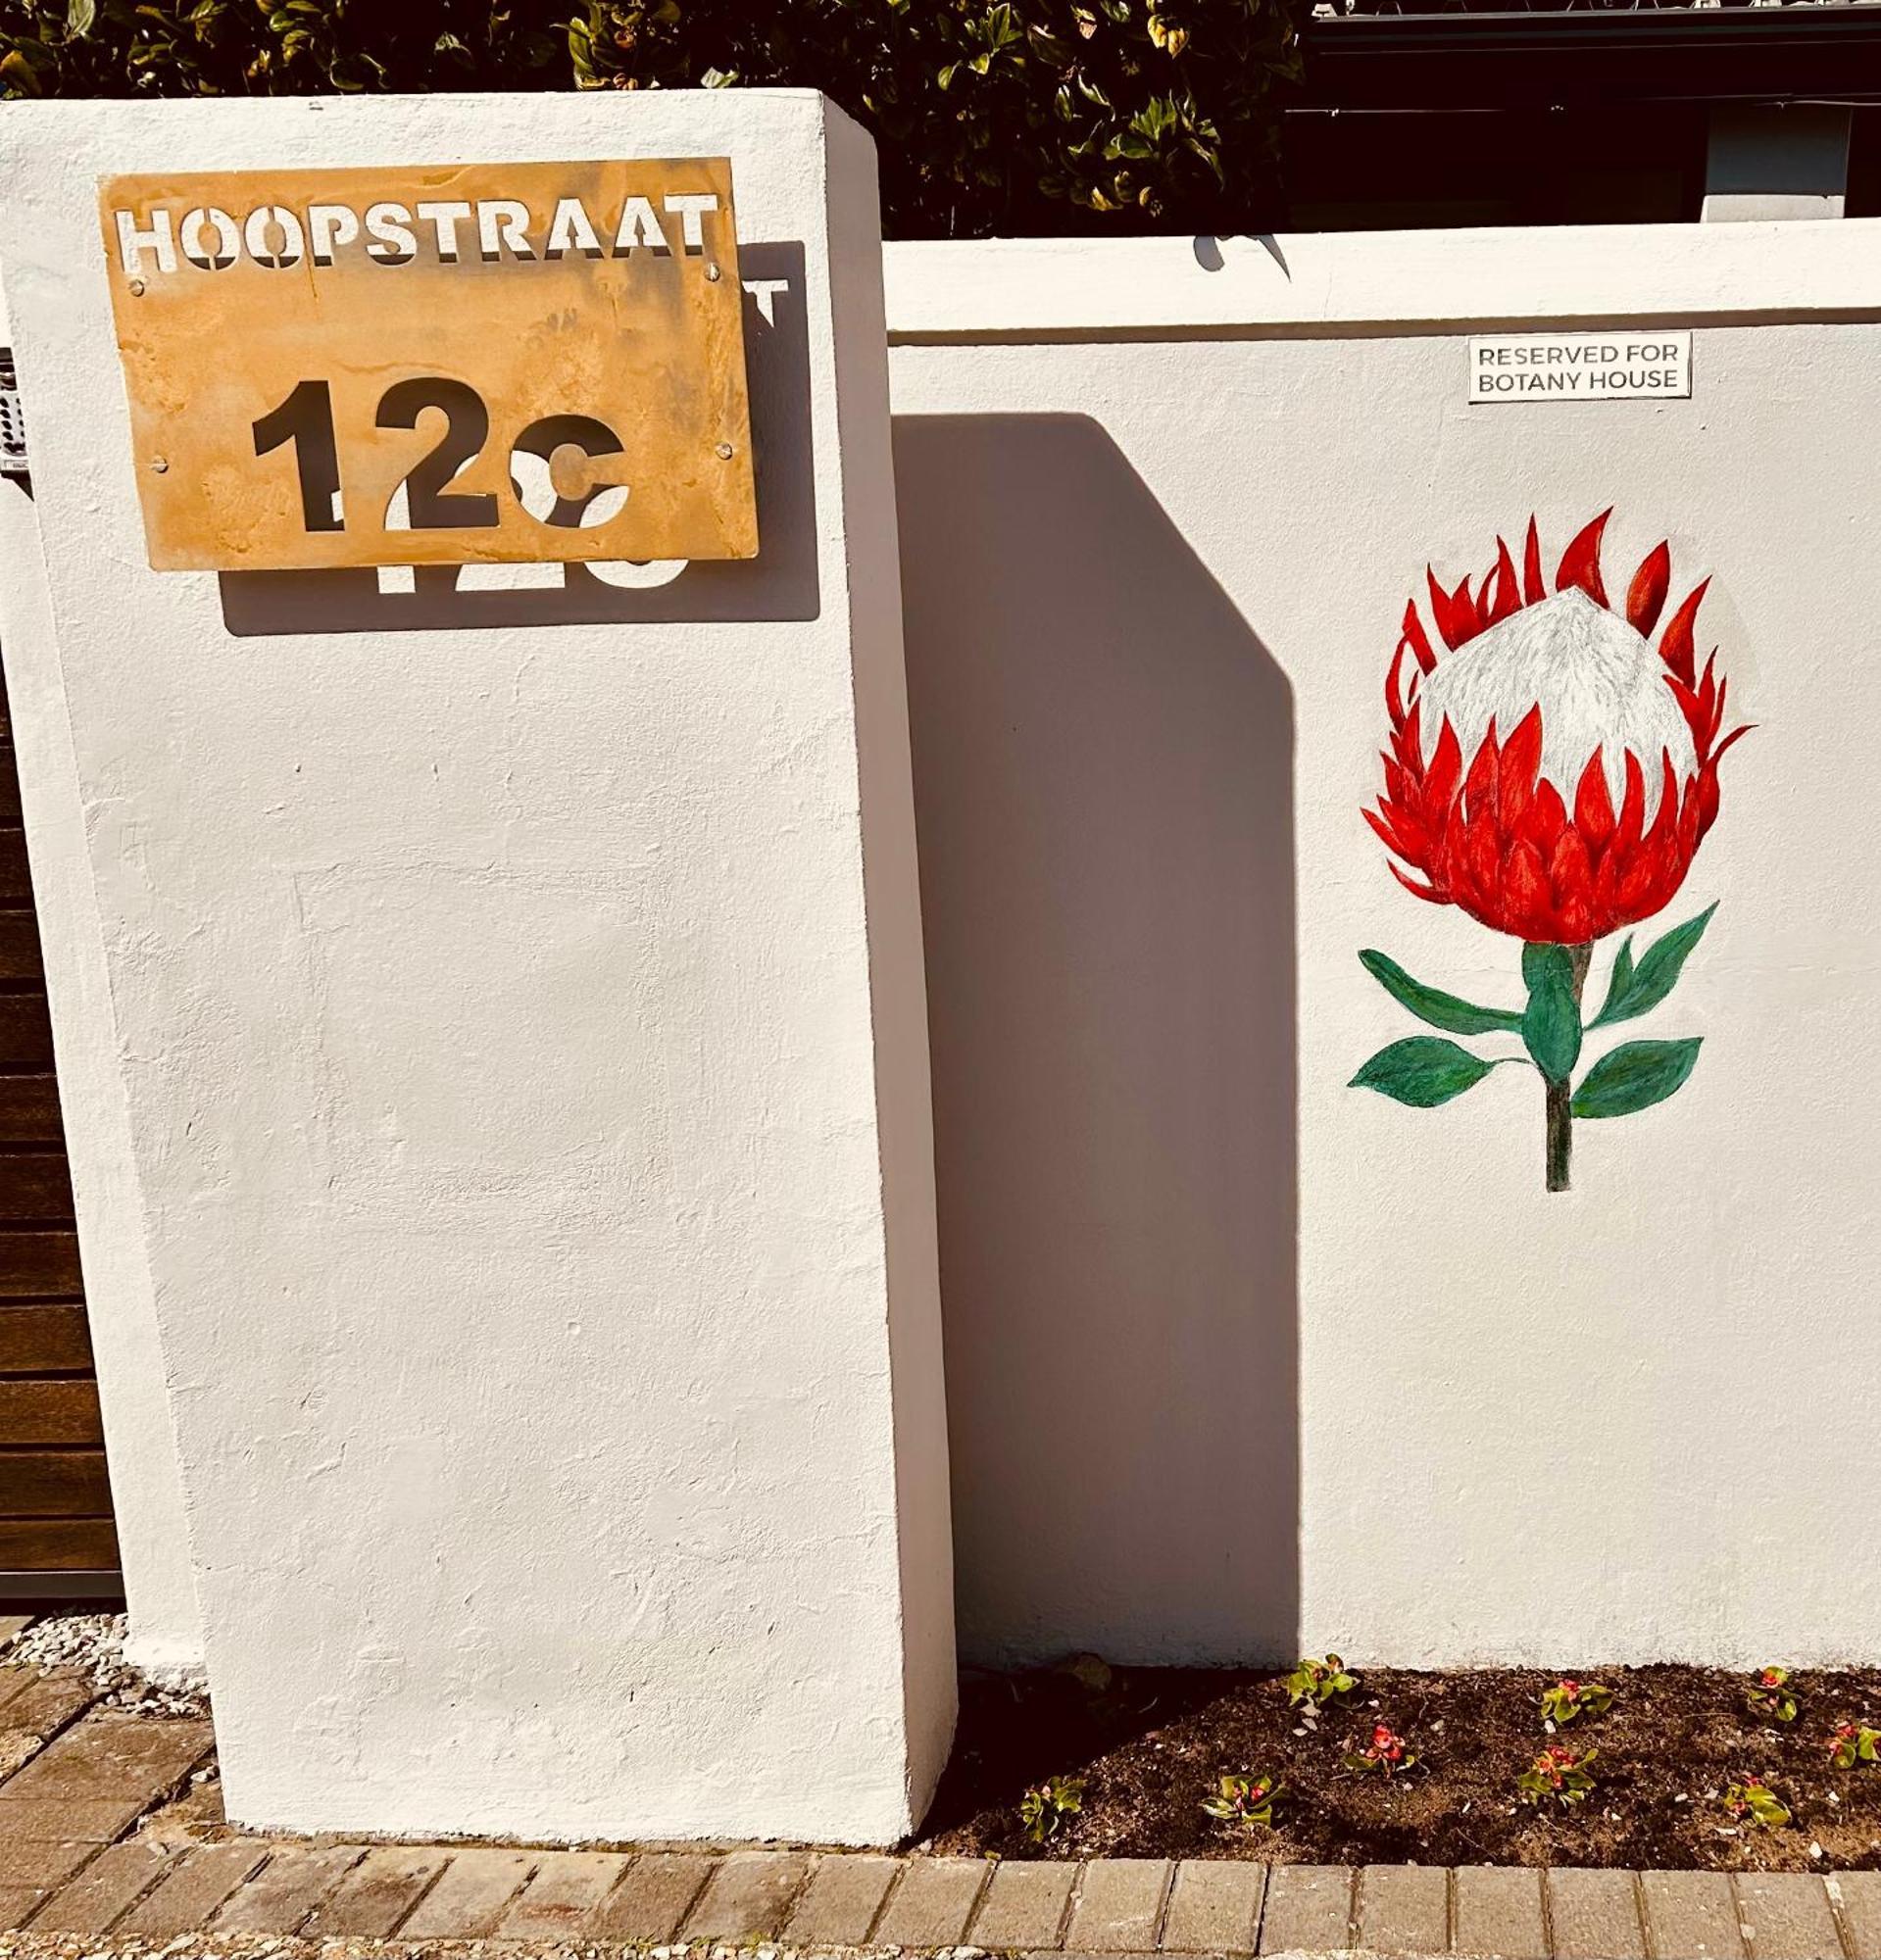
[{"x": 1626, "y": 367}]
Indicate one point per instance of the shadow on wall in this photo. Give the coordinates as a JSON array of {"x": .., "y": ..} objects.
[{"x": 1104, "y": 791}]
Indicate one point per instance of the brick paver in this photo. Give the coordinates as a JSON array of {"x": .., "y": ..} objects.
[
  {"x": 97, "y": 1818},
  {"x": 1307, "y": 1906},
  {"x": 193, "y": 1890},
  {"x": 749, "y": 1897},
  {"x": 1786, "y": 1916},
  {"x": 1498, "y": 1909},
  {"x": 1119, "y": 1907},
  {"x": 567, "y": 1889},
  {"x": 40, "y": 1862},
  {"x": 1404, "y": 1909},
  {"x": 108, "y": 1754},
  {"x": 34, "y": 1709},
  {"x": 1023, "y": 1905},
  {"x": 933, "y": 1902},
  {"x": 1857, "y": 1898},
  {"x": 18, "y": 1904},
  {"x": 839, "y": 1905},
  {"x": 1691, "y": 1915},
  {"x": 1214, "y": 1906},
  {"x": 295, "y": 1879},
  {"x": 472, "y": 1896},
  {"x": 104, "y": 1890},
  {"x": 1594, "y": 1914},
  {"x": 652, "y": 1901},
  {"x": 371, "y": 1900}
]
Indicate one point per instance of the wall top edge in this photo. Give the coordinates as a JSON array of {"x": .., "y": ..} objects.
[{"x": 1370, "y": 281}]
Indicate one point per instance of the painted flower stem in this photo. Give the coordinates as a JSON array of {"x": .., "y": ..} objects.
[{"x": 1561, "y": 1095}]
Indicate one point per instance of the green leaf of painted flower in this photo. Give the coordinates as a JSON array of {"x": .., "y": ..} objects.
[
  {"x": 1635, "y": 1076},
  {"x": 1441, "y": 1010},
  {"x": 1619, "y": 985},
  {"x": 1423, "y": 1071},
  {"x": 1551, "y": 1028},
  {"x": 1636, "y": 989}
]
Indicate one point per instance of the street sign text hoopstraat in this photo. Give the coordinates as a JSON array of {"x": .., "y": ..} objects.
[{"x": 434, "y": 365}]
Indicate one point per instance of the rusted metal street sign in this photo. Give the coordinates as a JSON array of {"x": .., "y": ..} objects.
[{"x": 434, "y": 365}]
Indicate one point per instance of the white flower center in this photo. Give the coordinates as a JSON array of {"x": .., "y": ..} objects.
[{"x": 1597, "y": 682}]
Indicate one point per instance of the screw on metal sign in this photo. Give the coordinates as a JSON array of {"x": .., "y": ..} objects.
[{"x": 479, "y": 363}]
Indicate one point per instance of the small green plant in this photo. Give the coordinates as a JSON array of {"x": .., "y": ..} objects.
[
  {"x": 1568, "y": 1699},
  {"x": 1046, "y": 1805},
  {"x": 1246, "y": 1800},
  {"x": 1319, "y": 1680},
  {"x": 1853, "y": 1742},
  {"x": 1770, "y": 1696},
  {"x": 1754, "y": 1800},
  {"x": 1386, "y": 1755},
  {"x": 1557, "y": 1772}
]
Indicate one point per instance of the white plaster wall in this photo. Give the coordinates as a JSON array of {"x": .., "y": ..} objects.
[
  {"x": 166, "y": 1628},
  {"x": 1629, "y": 1422},
  {"x": 518, "y": 1019}
]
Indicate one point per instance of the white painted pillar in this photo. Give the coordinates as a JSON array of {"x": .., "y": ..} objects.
[
  {"x": 1790, "y": 160},
  {"x": 516, "y": 1004},
  {"x": 140, "y": 1446}
]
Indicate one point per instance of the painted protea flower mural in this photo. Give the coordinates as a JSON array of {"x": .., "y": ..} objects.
[{"x": 1553, "y": 772}]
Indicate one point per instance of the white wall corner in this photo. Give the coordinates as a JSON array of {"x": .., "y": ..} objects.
[
  {"x": 896, "y": 968},
  {"x": 140, "y": 1448}
]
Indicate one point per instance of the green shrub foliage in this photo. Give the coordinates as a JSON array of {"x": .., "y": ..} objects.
[{"x": 1022, "y": 116}]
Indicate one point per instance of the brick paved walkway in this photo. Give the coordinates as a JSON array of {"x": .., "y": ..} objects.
[{"x": 110, "y": 1828}]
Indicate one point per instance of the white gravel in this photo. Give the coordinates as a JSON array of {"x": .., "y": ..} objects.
[{"x": 95, "y": 1644}]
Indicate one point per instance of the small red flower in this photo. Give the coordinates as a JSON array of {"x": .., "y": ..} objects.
[{"x": 1554, "y": 773}]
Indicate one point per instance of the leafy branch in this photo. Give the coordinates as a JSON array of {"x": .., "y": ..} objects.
[{"x": 991, "y": 117}]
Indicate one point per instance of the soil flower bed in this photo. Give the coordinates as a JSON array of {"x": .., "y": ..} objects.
[{"x": 1684, "y": 1764}]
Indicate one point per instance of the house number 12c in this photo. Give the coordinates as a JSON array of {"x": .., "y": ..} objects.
[{"x": 305, "y": 419}]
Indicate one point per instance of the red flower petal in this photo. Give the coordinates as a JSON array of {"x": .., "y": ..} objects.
[
  {"x": 1472, "y": 861},
  {"x": 1380, "y": 821},
  {"x": 1532, "y": 587},
  {"x": 1528, "y": 905},
  {"x": 1500, "y": 597},
  {"x": 1696, "y": 712},
  {"x": 1394, "y": 699},
  {"x": 1594, "y": 805},
  {"x": 1580, "y": 562},
  {"x": 1479, "y": 790},
  {"x": 1675, "y": 647},
  {"x": 1736, "y": 735},
  {"x": 1545, "y": 817},
  {"x": 1632, "y": 809},
  {"x": 1446, "y": 768},
  {"x": 1570, "y": 877},
  {"x": 1413, "y": 631},
  {"x": 1454, "y": 612},
  {"x": 1571, "y": 870},
  {"x": 1516, "y": 771},
  {"x": 1645, "y": 596},
  {"x": 1430, "y": 892}
]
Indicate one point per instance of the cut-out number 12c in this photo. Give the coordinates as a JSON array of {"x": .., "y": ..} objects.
[{"x": 305, "y": 419}]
